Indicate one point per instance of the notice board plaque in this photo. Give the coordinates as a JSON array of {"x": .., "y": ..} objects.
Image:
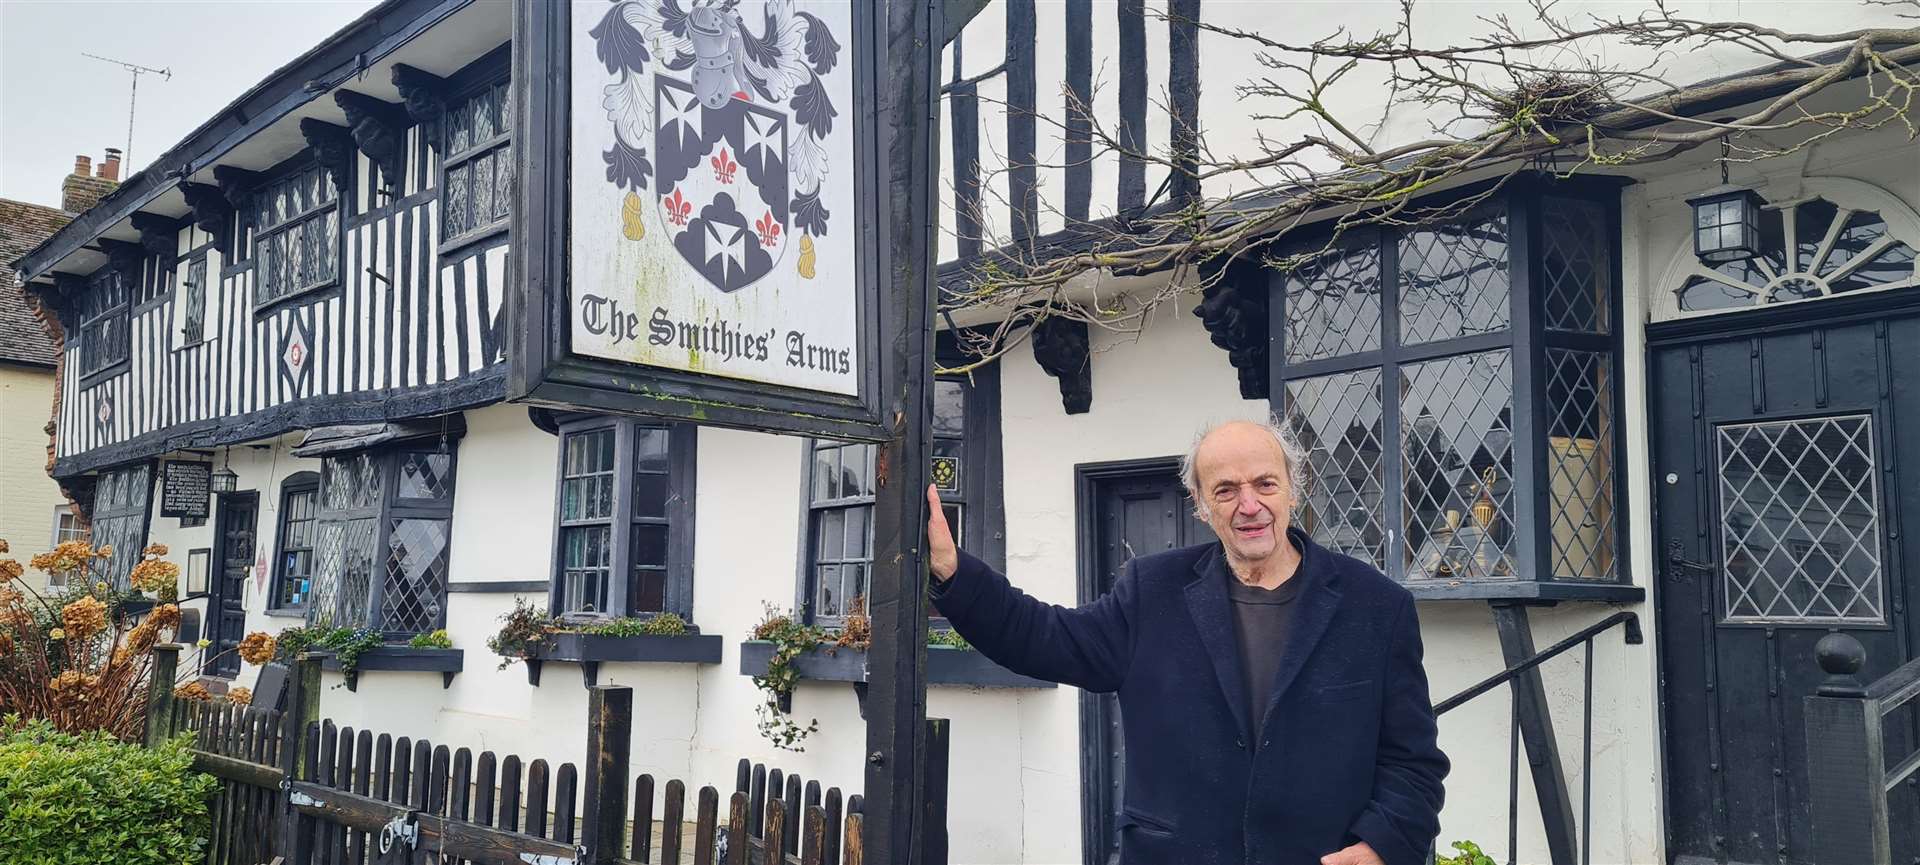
[{"x": 185, "y": 488}]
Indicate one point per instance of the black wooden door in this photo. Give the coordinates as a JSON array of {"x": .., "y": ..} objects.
[
  {"x": 1784, "y": 464},
  {"x": 233, "y": 551},
  {"x": 1134, "y": 512}
]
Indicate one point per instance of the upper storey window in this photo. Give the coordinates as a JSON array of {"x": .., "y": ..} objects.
[
  {"x": 478, "y": 136},
  {"x": 103, "y": 322},
  {"x": 296, "y": 239}
]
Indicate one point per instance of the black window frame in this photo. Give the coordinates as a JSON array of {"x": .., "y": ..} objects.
[
  {"x": 983, "y": 532},
  {"x": 118, "y": 568},
  {"x": 194, "y": 315},
  {"x": 339, "y": 184},
  {"x": 93, "y": 315},
  {"x": 1528, "y": 338},
  {"x": 678, "y": 517},
  {"x": 392, "y": 507},
  {"x": 299, "y": 483},
  {"x": 475, "y": 80}
]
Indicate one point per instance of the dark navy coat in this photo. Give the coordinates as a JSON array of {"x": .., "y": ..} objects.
[{"x": 1346, "y": 748}]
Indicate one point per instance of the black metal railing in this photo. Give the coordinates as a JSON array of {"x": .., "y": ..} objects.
[
  {"x": 1848, "y": 772},
  {"x": 1585, "y": 637}
]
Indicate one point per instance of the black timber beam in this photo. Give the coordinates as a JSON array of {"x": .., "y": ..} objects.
[
  {"x": 1536, "y": 731},
  {"x": 957, "y": 14}
]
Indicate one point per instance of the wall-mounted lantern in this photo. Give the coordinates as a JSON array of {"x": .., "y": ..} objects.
[
  {"x": 1726, "y": 219},
  {"x": 224, "y": 479}
]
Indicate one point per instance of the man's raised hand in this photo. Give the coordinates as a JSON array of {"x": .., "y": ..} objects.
[{"x": 942, "y": 556}]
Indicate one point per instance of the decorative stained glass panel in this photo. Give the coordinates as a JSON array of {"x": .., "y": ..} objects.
[
  {"x": 1800, "y": 521},
  {"x": 1456, "y": 434},
  {"x": 1337, "y": 418},
  {"x": 1454, "y": 279},
  {"x": 1333, "y": 305},
  {"x": 1580, "y": 487}
]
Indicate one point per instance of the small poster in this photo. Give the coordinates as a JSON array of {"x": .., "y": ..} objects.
[{"x": 185, "y": 489}]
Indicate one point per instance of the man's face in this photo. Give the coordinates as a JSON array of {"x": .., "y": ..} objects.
[{"x": 1244, "y": 484}]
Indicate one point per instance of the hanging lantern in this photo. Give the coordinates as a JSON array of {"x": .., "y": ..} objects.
[
  {"x": 1726, "y": 219},
  {"x": 224, "y": 479},
  {"x": 1726, "y": 224}
]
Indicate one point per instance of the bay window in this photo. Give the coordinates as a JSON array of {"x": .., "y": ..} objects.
[
  {"x": 1453, "y": 386},
  {"x": 381, "y": 533}
]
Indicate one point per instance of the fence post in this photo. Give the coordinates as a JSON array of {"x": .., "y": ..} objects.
[
  {"x": 609, "y": 749},
  {"x": 933, "y": 837},
  {"x": 1846, "y": 768},
  {"x": 302, "y": 708},
  {"x": 166, "y": 664}
]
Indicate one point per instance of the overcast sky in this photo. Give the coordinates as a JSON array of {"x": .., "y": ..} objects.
[{"x": 55, "y": 103}]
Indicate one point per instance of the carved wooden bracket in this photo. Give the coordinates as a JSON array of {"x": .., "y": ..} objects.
[
  {"x": 424, "y": 92},
  {"x": 237, "y": 184},
  {"x": 1062, "y": 348},
  {"x": 159, "y": 235},
  {"x": 379, "y": 128},
  {"x": 332, "y": 147},
  {"x": 211, "y": 212},
  {"x": 1234, "y": 310},
  {"x": 124, "y": 257},
  {"x": 63, "y": 297}
]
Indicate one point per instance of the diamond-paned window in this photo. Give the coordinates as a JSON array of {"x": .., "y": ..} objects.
[
  {"x": 1338, "y": 418},
  {"x": 120, "y": 502},
  {"x": 381, "y": 527},
  {"x": 1800, "y": 521},
  {"x": 1333, "y": 305},
  {"x": 1576, "y": 273},
  {"x": 414, "y": 597},
  {"x": 1456, "y": 432},
  {"x": 1580, "y": 476},
  {"x": 1454, "y": 280}
]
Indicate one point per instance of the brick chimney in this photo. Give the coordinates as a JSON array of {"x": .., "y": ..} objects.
[{"x": 84, "y": 188}]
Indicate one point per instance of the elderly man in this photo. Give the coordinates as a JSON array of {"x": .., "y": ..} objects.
[{"x": 1275, "y": 706}]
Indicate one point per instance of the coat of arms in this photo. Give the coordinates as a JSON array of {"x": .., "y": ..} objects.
[{"x": 724, "y": 119}]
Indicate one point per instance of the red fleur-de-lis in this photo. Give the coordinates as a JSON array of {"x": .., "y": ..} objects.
[
  {"x": 724, "y": 166},
  {"x": 678, "y": 208},
  {"x": 768, "y": 228}
]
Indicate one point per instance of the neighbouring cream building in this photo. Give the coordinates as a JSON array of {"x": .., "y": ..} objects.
[{"x": 1536, "y": 417}]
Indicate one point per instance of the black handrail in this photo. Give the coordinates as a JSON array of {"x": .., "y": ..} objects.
[
  {"x": 1634, "y": 638},
  {"x": 1585, "y": 636}
]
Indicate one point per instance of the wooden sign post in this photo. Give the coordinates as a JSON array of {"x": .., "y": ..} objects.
[{"x": 722, "y": 225}]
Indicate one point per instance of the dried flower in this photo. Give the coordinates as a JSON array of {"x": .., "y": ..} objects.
[
  {"x": 193, "y": 691},
  {"x": 85, "y": 616},
  {"x": 165, "y": 616},
  {"x": 3, "y": 546},
  {"x": 10, "y": 569},
  {"x": 155, "y": 575},
  {"x": 241, "y": 695},
  {"x": 257, "y": 648},
  {"x": 6, "y": 644},
  {"x": 56, "y": 634},
  {"x": 141, "y": 639},
  {"x": 156, "y": 549},
  {"x": 65, "y": 558},
  {"x": 104, "y": 552}
]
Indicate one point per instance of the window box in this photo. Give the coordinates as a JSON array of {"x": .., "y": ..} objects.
[
  {"x": 945, "y": 667},
  {"x": 591, "y": 650},
  {"x": 446, "y": 662}
]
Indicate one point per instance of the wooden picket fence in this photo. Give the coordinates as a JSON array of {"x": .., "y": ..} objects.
[{"x": 363, "y": 798}]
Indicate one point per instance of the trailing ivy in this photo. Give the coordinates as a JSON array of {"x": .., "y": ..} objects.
[
  {"x": 790, "y": 640},
  {"x": 346, "y": 644}
]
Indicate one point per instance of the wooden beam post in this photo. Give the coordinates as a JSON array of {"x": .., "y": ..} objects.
[
  {"x": 1536, "y": 730},
  {"x": 609, "y": 750},
  {"x": 1846, "y": 760},
  {"x": 907, "y": 45},
  {"x": 302, "y": 709},
  {"x": 933, "y": 844},
  {"x": 166, "y": 665}
]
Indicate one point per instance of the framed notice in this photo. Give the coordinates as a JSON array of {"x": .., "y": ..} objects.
[
  {"x": 199, "y": 562},
  {"x": 696, "y": 237},
  {"x": 185, "y": 489}
]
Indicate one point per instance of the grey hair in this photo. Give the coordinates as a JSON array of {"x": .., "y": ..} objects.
[{"x": 1282, "y": 435}]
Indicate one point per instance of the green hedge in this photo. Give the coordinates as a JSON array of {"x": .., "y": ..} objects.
[{"x": 85, "y": 800}]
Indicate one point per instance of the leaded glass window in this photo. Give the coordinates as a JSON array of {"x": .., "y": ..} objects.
[
  {"x": 625, "y": 519},
  {"x": 120, "y": 500},
  {"x": 1453, "y": 430},
  {"x": 1808, "y": 249},
  {"x": 1800, "y": 521},
  {"x": 193, "y": 300},
  {"x": 103, "y": 322},
  {"x": 382, "y": 528},
  {"x": 296, "y": 241},
  {"x": 347, "y": 525},
  {"x": 477, "y": 163}
]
